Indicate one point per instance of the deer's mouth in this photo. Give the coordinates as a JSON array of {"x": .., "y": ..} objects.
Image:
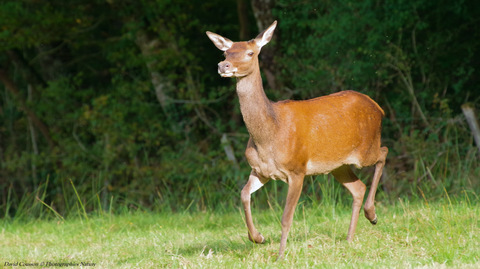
[{"x": 227, "y": 73}]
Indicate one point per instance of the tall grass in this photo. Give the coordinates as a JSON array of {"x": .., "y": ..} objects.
[{"x": 319, "y": 191}]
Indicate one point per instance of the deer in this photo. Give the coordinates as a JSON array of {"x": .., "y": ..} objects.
[{"x": 291, "y": 139}]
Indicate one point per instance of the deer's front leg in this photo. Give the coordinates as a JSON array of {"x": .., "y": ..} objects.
[
  {"x": 252, "y": 185},
  {"x": 295, "y": 185}
]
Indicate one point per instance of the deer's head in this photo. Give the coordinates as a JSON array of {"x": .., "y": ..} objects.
[{"x": 241, "y": 58}]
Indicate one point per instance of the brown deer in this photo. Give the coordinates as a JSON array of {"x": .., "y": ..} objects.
[{"x": 291, "y": 139}]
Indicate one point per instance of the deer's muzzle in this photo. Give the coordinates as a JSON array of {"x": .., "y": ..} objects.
[{"x": 226, "y": 69}]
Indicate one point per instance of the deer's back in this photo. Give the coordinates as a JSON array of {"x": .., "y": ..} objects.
[{"x": 321, "y": 134}]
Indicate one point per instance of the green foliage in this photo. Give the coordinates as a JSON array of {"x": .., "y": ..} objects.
[{"x": 95, "y": 72}]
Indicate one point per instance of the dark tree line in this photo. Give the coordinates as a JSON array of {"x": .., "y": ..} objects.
[{"x": 123, "y": 98}]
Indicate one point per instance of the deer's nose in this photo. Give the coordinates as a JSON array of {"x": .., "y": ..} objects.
[{"x": 224, "y": 66}]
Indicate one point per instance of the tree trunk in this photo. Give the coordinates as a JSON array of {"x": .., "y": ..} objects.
[
  {"x": 160, "y": 84},
  {"x": 12, "y": 88},
  {"x": 33, "y": 137},
  {"x": 469, "y": 112},
  {"x": 262, "y": 10},
  {"x": 243, "y": 20},
  {"x": 227, "y": 147},
  {"x": 29, "y": 73}
]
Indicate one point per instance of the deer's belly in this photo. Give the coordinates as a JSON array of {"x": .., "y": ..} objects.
[{"x": 316, "y": 167}]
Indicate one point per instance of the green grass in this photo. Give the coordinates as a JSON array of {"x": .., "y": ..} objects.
[{"x": 421, "y": 234}]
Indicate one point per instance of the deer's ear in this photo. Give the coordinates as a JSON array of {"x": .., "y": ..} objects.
[
  {"x": 222, "y": 43},
  {"x": 264, "y": 37}
]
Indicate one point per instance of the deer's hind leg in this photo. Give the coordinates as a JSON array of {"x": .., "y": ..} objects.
[
  {"x": 345, "y": 175},
  {"x": 369, "y": 207}
]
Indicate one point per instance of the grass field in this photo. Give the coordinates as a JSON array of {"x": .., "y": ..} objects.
[{"x": 409, "y": 235}]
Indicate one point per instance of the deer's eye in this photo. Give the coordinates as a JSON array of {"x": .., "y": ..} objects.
[{"x": 250, "y": 53}]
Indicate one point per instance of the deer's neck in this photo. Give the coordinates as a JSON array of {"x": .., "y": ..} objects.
[{"x": 257, "y": 110}]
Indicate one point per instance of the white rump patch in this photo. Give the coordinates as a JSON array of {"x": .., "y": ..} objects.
[
  {"x": 352, "y": 159},
  {"x": 255, "y": 184}
]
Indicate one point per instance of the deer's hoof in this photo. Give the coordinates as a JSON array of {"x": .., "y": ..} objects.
[{"x": 259, "y": 239}]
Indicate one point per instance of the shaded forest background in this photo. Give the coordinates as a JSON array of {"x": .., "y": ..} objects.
[{"x": 119, "y": 102}]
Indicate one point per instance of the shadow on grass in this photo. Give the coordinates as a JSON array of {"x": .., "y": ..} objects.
[{"x": 237, "y": 248}]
